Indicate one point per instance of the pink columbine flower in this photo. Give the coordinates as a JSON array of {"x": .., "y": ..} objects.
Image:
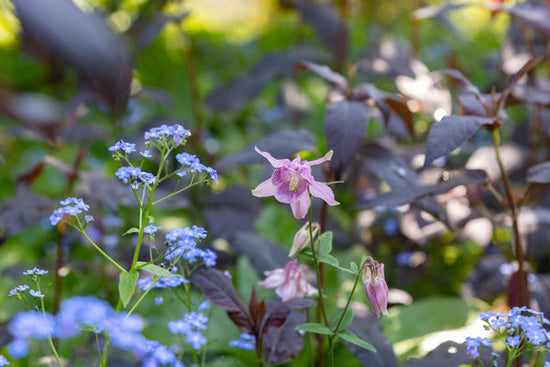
[
  {"x": 289, "y": 282},
  {"x": 376, "y": 288},
  {"x": 290, "y": 182}
]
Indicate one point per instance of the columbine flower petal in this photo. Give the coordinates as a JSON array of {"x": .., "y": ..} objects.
[
  {"x": 322, "y": 191},
  {"x": 277, "y": 163},
  {"x": 300, "y": 207},
  {"x": 266, "y": 188}
]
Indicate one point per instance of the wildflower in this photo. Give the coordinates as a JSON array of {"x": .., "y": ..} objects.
[
  {"x": 163, "y": 283},
  {"x": 190, "y": 325},
  {"x": 71, "y": 206},
  {"x": 292, "y": 182},
  {"x": 3, "y": 361},
  {"x": 247, "y": 342},
  {"x": 159, "y": 300},
  {"x": 151, "y": 229},
  {"x": 35, "y": 271},
  {"x": 302, "y": 238},
  {"x": 204, "y": 306},
  {"x": 174, "y": 135},
  {"x": 36, "y": 294},
  {"x": 19, "y": 289},
  {"x": 122, "y": 145},
  {"x": 146, "y": 154},
  {"x": 192, "y": 164},
  {"x": 27, "y": 325},
  {"x": 135, "y": 176},
  {"x": 289, "y": 282},
  {"x": 376, "y": 288},
  {"x": 474, "y": 343}
]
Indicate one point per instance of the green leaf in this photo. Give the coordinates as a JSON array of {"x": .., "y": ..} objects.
[
  {"x": 325, "y": 243},
  {"x": 154, "y": 269},
  {"x": 353, "y": 267},
  {"x": 348, "y": 317},
  {"x": 126, "y": 285},
  {"x": 131, "y": 230},
  {"x": 315, "y": 328},
  {"x": 329, "y": 259},
  {"x": 354, "y": 339},
  {"x": 151, "y": 219}
]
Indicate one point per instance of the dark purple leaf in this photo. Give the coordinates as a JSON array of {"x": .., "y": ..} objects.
[
  {"x": 326, "y": 73},
  {"x": 283, "y": 344},
  {"x": 280, "y": 144},
  {"x": 149, "y": 32},
  {"x": 537, "y": 15},
  {"x": 461, "y": 79},
  {"x": 242, "y": 89},
  {"x": 331, "y": 30},
  {"x": 529, "y": 65},
  {"x": 450, "y": 133},
  {"x": 451, "y": 354},
  {"x": 538, "y": 94},
  {"x": 539, "y": 173},
  {"x": 23, "y": 210},
  {"x": 405, "y": 115},
  {"x": 231, "y": 211},
  {"x": 219, "y": 290},
  {"x": 264, "y": 255},
  {"x": 60, "y": 30},
  {"x": 369, "y": 329},
  {"x": 277, "y": 317},
  {"x": 345, "y": 129}
]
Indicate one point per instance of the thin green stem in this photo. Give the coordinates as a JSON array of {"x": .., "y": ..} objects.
[
  {"x": 143, "y": 296},
  {"x": 50, "y": 341},
  {"x": 349, "y": 298},
  {"x": 317, "y": 273},
  {"x": 177, "y": 192},
  {"x": 101, "y": 251}
]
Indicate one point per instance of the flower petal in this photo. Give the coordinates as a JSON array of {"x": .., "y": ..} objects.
[
  {"x": 275, "y": 278},
  {"x": 266, "y": 188},
  {"x": 322, "y": 191},
  {"x": 327, "y": 157},
  {"x": 300, "y": 206},
  {"x": 277, "y": 163}
]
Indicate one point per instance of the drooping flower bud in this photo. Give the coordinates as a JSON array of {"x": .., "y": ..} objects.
[
  {"x": 376, "y": 288},
  {"x": 301, "y": 239}
]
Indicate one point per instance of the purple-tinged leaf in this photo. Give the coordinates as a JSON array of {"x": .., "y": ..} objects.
[
  {"x": 256, "y": 310},
  {"x": 147, "y": 30},
  {"x": 451, "y": 354},
  {"x": 405, "y": 115},
  {"x": 331, "y": 30},
  {"x": 242, "y": 89},
  {"x": 529, "y": 65},
  {"x": 284, "y": 343},
  {"x": 219, "y": 290},
  {"x": 277, "y": 317},
  {"x": 461, "y": 79},
  {"x": 450, "y": 133},
  {"x": 279, "y": 144},
  {"x": 59, "y": 30},
  {"x": 539, "y": 173},
  {"x": 326, "y": 73},
  {"x": 345, "y": 129},
  {"x": 537, "y": 15}
]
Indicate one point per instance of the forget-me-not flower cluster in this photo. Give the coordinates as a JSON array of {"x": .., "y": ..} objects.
[
  {"x": 71, "y": 206},
  {"x": 191, "y": 325},
  {"x": 246, "y": 342},
  {"x": 190, "y": 163}
]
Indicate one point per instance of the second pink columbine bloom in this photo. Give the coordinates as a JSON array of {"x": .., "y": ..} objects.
[
  {"x": 290, "y": 182},
  {"x": 376, "y": 288},
  {"x": 289, "y": 282}
]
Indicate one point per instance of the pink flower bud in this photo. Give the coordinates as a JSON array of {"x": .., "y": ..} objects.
[
  {"x": 376, "y": 288},
  {"x": 302, "y": 240}
]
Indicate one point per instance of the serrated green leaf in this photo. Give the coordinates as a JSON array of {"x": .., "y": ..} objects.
[
  {"x": 126, "y": 285},
  {"x": 325, "y": 243},
  {"x": 346, "y": 320},
  {"x": 131, "y": 230},
  {"x": 314, "y": 328},
  {"x": 154, "y": 269},
  {"x": 354, "y": 339}
]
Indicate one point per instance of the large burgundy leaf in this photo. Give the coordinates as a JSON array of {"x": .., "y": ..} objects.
[
  {"x": 326, "y": 73},
  {"x": 276, "y": 317},
  {"x": 450, "y": 133},
  {"x": 59, "y": 30},
  {"x": 345, "y": 128},
  {"x": 219, "y": 290},
  {"x": 284, "y": 343}
]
